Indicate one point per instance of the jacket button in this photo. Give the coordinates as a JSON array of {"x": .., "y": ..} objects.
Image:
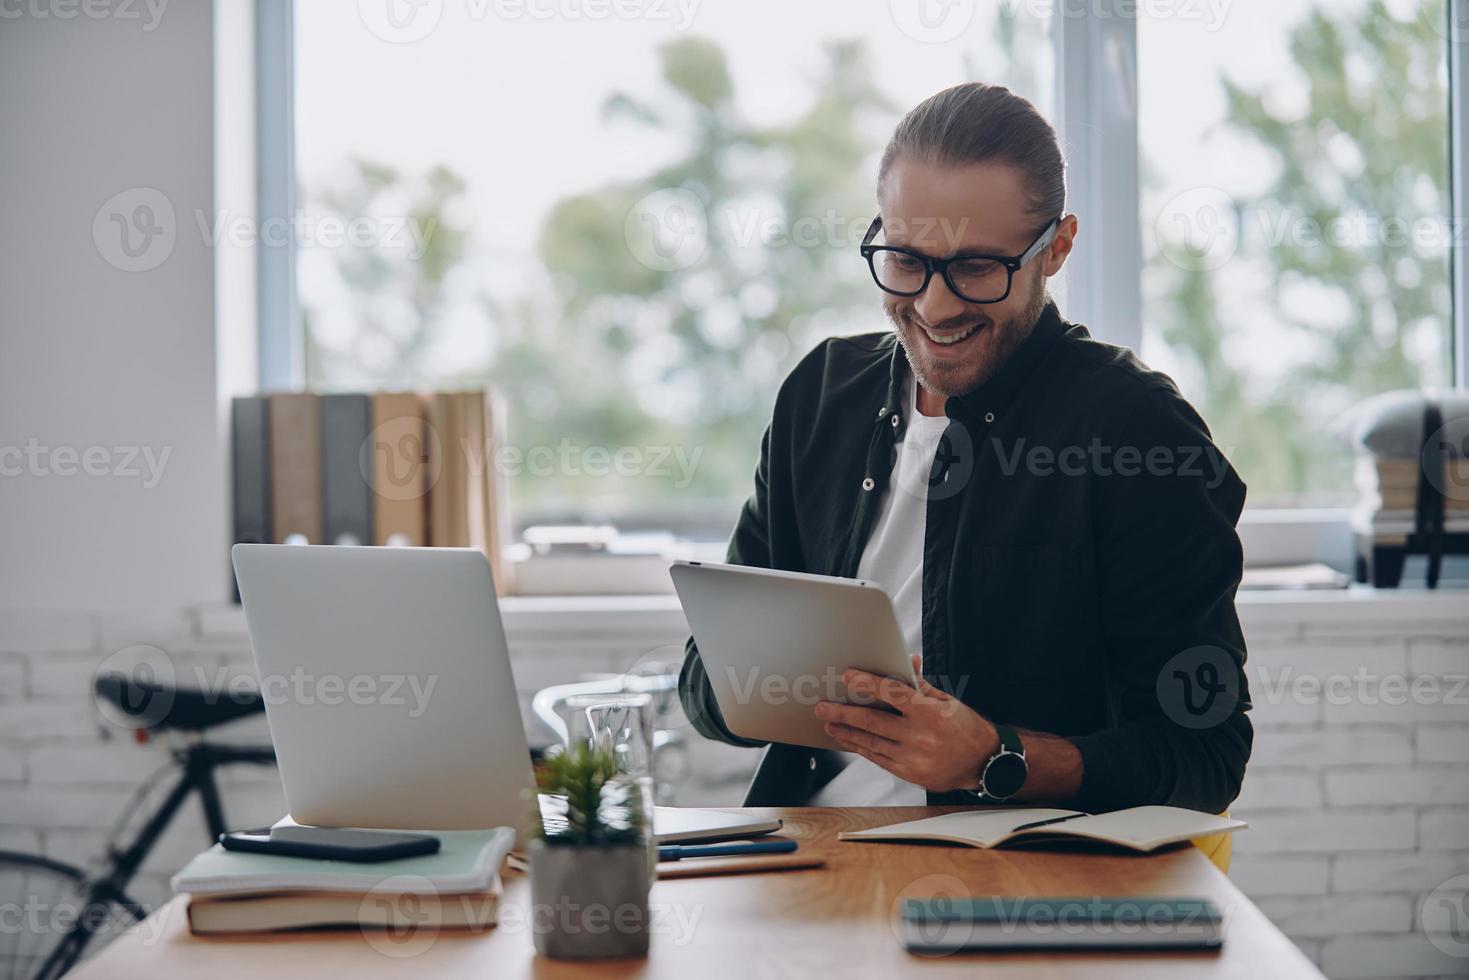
[
  {"x": 882, "y": 411},
  {"x": 868, "y": 483},
  {"x": 813, "y": 763},
  {"x": 989, "y": 416},
  {"x": 895, "y": 420}
]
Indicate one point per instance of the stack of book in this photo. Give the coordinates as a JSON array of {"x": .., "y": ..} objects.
[
  {"x": 1385, "y": 522},
  {"x": 1388, "y": 488},
  {"x": 389, "y": 468},
  {"x": 1412, "y": 479},
  {"x": 457, "y": 887}
]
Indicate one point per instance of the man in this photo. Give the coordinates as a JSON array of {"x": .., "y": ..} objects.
[{"x": 1051, "y": 518}]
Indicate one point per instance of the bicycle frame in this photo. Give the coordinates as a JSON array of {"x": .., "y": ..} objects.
[{"x": 198, "y": 762}]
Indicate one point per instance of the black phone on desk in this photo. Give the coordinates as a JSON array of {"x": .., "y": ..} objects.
[{"x": 330, "y": 843}]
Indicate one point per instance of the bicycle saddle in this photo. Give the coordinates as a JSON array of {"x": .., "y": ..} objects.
[{"x": 160, "y": 706}]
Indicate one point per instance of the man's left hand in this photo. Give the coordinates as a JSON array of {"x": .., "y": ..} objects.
[{"x": 935, "y": 740}]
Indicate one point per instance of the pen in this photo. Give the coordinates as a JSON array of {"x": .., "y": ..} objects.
[
  {"x": 675, "y": 852},
  {"x": 1046, "y": 823}
]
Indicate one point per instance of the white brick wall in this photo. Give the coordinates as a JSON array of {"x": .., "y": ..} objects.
[
  {"x": 1357, "y": 794},
  {"x": 66, "y": 773}
]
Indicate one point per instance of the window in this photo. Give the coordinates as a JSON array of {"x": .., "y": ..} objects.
[
  {"x": 1295, "y": 218},
  {"x": 630, "y": 253}
]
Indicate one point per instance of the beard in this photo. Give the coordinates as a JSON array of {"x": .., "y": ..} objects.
[{"x": 981, "y": 356}]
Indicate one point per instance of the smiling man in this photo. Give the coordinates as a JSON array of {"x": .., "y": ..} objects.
[{"x": 1050, "y": 517}]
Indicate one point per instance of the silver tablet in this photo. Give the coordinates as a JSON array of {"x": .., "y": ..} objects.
[{"x": 776, "y": 643}]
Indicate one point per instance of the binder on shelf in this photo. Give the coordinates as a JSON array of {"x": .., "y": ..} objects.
[
  {"x": 462, "y": 501},
  {"x": 387, "y": 468},
  {"x": 346, "y": 493},
  {"x": 491, "y": 528},
  {"x": 295, "y": 466},
  {"x": 448, "y": 504},
  {"x": 250, "y": 472},
  {"x": 397, "y": 456}
]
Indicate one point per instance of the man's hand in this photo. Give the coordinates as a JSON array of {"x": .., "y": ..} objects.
[{"x": 935, "y": 741}]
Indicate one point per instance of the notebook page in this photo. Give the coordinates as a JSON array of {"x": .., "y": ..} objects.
[
  {"x": 984, "y": 828},
  {"x": 1145, "y": 827}
]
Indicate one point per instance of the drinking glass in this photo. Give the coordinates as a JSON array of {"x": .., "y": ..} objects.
[{"x": 623, "y": 724}]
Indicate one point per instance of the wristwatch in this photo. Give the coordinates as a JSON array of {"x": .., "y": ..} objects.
[{"x": 1005, "y": 771}]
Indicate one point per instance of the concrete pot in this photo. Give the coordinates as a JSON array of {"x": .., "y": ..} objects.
[{"x": 589, "y": 902}]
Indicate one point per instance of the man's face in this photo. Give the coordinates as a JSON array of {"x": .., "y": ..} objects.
[{"x": 954, "y": 345}]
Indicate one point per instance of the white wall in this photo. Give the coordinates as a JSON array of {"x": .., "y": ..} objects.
[{"x": 92, "y": 356}]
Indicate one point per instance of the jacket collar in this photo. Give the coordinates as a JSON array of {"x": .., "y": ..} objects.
[{"x": 995, "y": 395}]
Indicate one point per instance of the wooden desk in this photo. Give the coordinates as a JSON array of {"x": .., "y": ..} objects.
[{"x": 836, "y": 921}]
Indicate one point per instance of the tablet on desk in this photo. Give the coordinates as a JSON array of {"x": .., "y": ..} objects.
[{"x": 776, "y": 643}]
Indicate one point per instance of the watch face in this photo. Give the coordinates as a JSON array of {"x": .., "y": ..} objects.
[{"x": 1004, "y": 775}]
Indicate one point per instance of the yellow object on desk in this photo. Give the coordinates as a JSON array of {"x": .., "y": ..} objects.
[{"x": 1218, "y": 848}]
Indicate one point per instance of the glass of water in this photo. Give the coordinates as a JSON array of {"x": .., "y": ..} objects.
[{"x": 622, "y": 724}]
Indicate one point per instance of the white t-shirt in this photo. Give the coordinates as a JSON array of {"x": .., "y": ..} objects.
[{"x": 893, "y": 558}]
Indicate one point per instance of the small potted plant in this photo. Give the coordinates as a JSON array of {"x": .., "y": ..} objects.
[{"x": 589, "y": 859}]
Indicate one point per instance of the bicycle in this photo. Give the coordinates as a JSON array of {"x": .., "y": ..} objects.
[
  {"x": 96, "y": 900},
  {"x": 83, "y": 904}
]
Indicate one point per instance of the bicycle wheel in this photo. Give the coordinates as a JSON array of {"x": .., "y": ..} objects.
[{"x": 50, "y": 914}]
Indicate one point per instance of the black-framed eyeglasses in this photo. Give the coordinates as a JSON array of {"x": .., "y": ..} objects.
[{"x": 974, "y": 277}]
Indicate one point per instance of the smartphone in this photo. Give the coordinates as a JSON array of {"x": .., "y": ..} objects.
[{"x": 364, "y": 846}]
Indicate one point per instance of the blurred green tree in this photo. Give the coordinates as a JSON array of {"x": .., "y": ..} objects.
[
  {"x": 1365, "y": 313},
  {"x": 389, "y": 288},
  {"x": 664, "y": 310},
  {"x": 682, "y": 296},
  {"x": 647, "y": 343}
]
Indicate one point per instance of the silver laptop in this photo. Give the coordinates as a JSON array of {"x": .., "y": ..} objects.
[{"x": 389, "y": 692}]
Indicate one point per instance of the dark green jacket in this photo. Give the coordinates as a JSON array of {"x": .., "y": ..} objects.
[{"x": 1080, "y": 559}]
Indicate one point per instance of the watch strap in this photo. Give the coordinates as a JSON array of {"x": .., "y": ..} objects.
[{"x": 1009, "y": 740}]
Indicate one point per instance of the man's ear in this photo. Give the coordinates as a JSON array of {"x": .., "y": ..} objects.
[{"x": 1060, "y": 247}]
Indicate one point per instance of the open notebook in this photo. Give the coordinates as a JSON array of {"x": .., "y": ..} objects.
[{"x": 1142, "y": 828}]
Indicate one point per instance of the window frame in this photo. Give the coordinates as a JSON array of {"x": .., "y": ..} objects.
[
  {"x": 1096, "y": 95},
  {"x": 281, "y": 337},
  {"x": 1456, "y": 13}
]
